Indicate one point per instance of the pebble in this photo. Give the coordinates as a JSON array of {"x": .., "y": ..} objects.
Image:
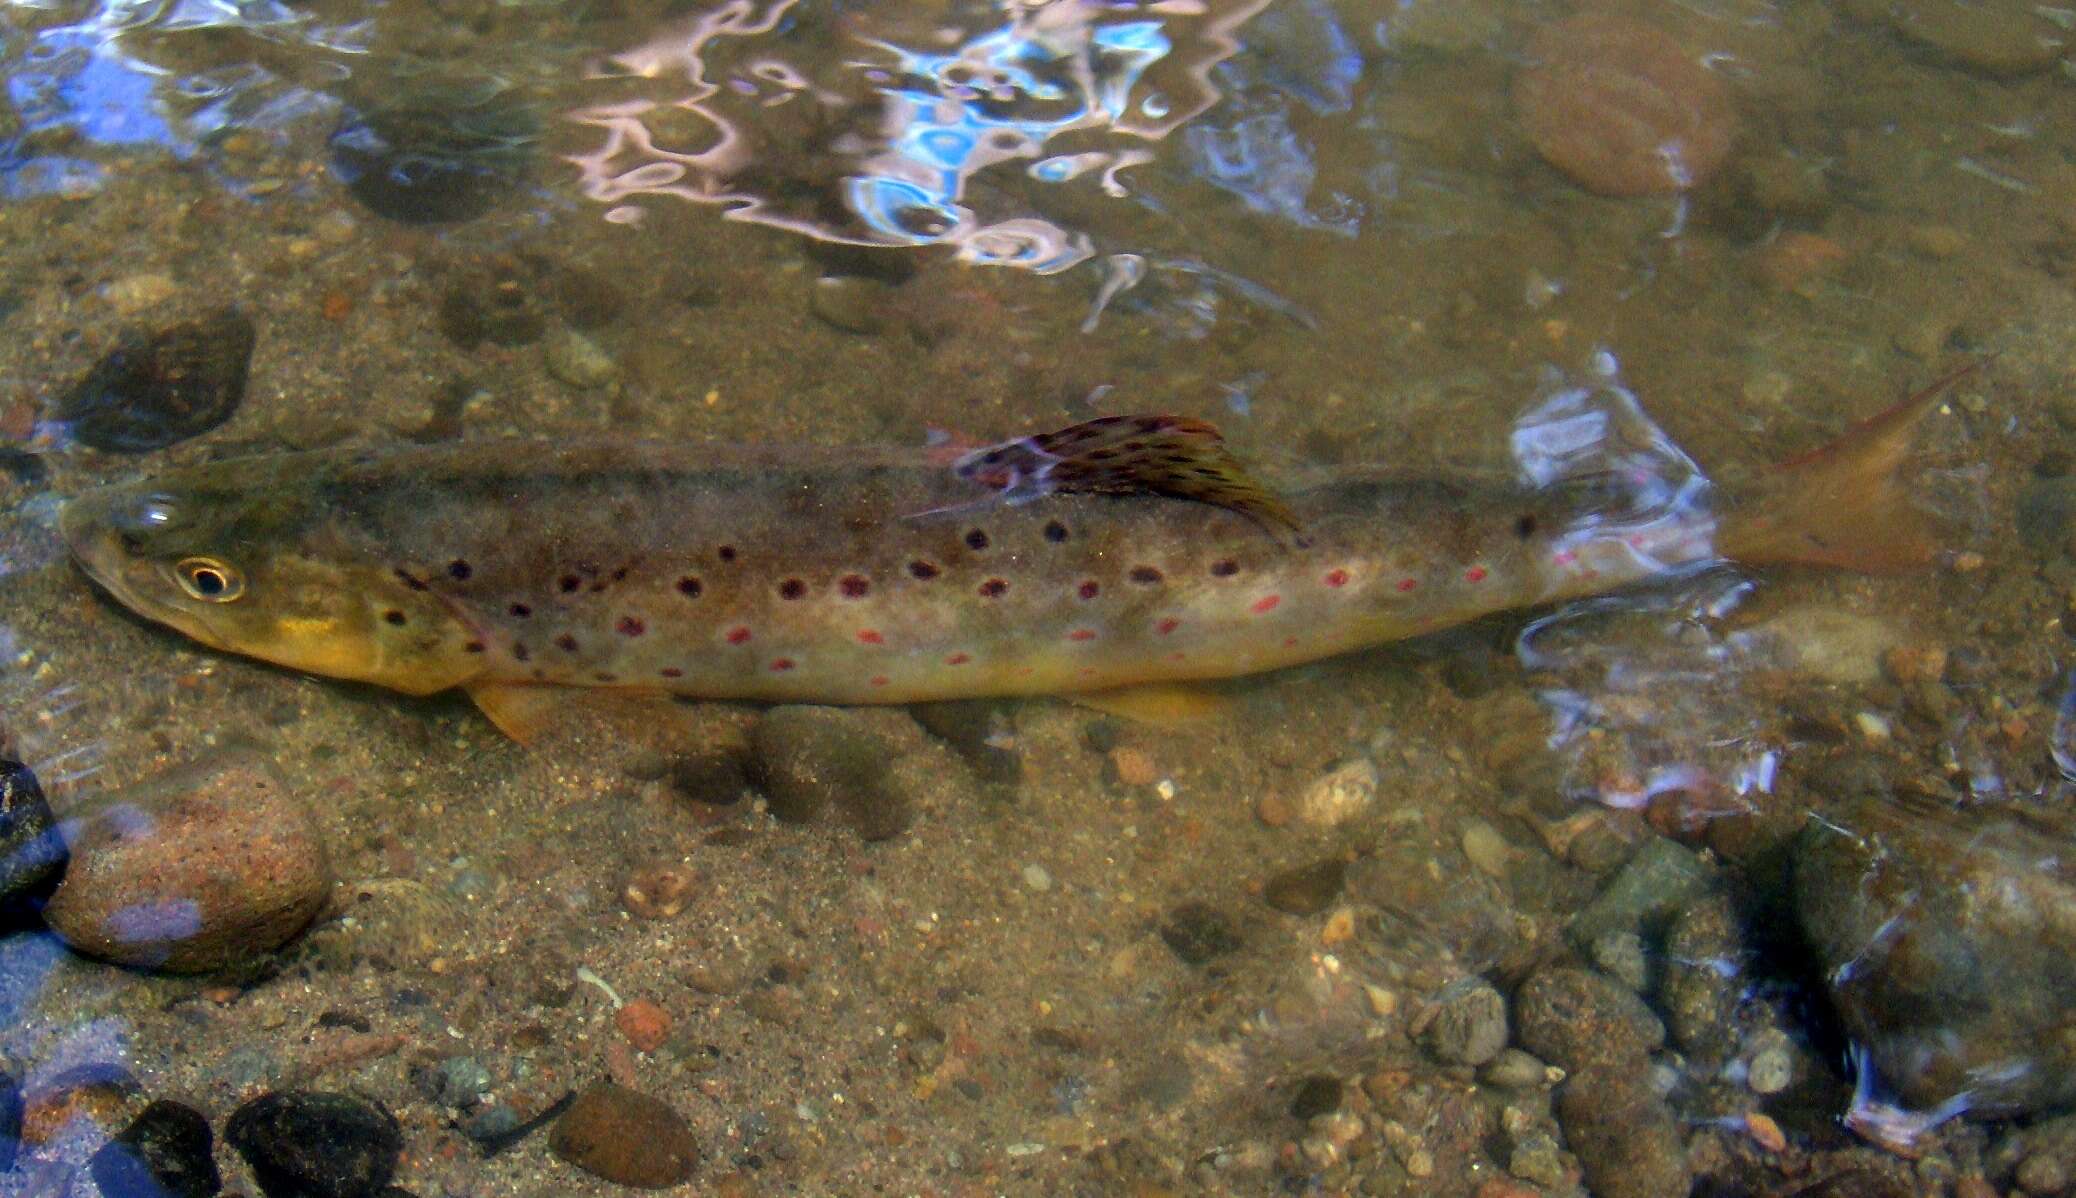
[
  {"x": 1622, "y": 108},
  {"x": 31, "y": 850},
  {"x": 645, "y": 1024},
  {"x": 208, "y": 866},
  {"x": 165, "y": 1152},
  {"x": 1339, "y": 795},
  {"x": 576, "y": 359},
  {"x": 1513, "y": 1069},
  {"x": 1486, "y": 849},
  {"x": 1134, "y": 766},
  {"x": 851, "y": 303},
  {"x": 625, "y": 1137},
  {"x": 1537, "y": 1158},
  {"x": 1199, "y": 933},
  {"x": 1037, "y": 878},
  {"x": 1619, "y": 955},
  {"x": 1469, "y": 1025},
  {"x": 1772, "y": 1068},
  {"x": 1577, "y": 1019},
  {"x": 160, "y": 387},
  {"x": 459, "y": 1082},
  {"x": 1703, "y": 983},
  {"x": 1315, "y": 1096},
  {"x": 1307, "y": 889},
  {"x": 132, "y": 294},
  {"x": 316, "y": 1144}
]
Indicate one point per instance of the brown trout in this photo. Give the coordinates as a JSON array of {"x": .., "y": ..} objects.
[{"x": 1109, "y": 555}]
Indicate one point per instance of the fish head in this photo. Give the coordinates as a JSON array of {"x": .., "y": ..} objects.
[{"x": 241, "y": 558}]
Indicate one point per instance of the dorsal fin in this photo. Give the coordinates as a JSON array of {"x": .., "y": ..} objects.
[{"x": 1175, "y": 456}]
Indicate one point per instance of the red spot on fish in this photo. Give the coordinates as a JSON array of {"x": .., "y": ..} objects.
[
  {"x": 1265, "y": 604},
  {"x": 1177, "y": 655},
  {"x": 738, "y": 635},
  {"x": 1406, "y": 584},
  {"x": 1564, "y": 558},
  {"x": 870, "y": 636},
  {"x": 1081, "y": 634},
  {"x": 1337, "y": 578},
  {"x": 994, "y": 588},
  {"x": 853, "y": 586},
  {"x": 630, "y": 626},
  {"x": 879, "y": 680},
  {"x": 1088, "y": 590},
  {"x": 671, "y": 672},
  {"x": 1088, "y": 671},
  {"x": 1474, "y": 574},
  {"x": 780, "y": 665},
  {"x": 958, "y": 659},
  {"x": 1290, "y": 642},
  {"x": 1167, "y": 625}
]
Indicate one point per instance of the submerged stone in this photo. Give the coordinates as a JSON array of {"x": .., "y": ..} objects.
[
  {"x": 315, "y": 1144},
  {"x": 31, "y": 851},
  {"x": 1945, "y": 940},
  {"x": 448, "y": 154},
  {"x": 165, "y": 1152},
  {"x": 156, "y": 389},
  {"x": 625, "y": 1137}
]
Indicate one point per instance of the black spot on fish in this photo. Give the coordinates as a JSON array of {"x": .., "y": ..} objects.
[
  {"x": 1055, "y": 531},
  {"x": 689, "y": 587},
  {"x": 671, "y": 672},
  {"x": 459, "y": 570},
  {"x": 1525, "y": 527},
  {"x": 726, "y": 553},
  {"x": 566, "y": 643},
  {"x": 520, "y": 610},
  {"x": 976, "y": 539},
  {"x": 922, "y": 570},
  {"x": 569, "y": 583},
  {"x": 1145, "y": 575},
  {"x": 994, "y": 588},
  {"x": 853, "y": 586},
  {"x": 604, "y": 677},
  {"x": 473, "y": 647},
  {"x": 405, "y": 576},
  {"x": 620, "y": 575},
  {"x": 792, "y": 588},
  {"x": 1224, "y": 568},
  {"x": 520, "y": 652},
  {"x": 393, "y": 616}
]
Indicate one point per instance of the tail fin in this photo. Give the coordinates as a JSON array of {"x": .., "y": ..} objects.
[{"x": 1844, "y": 505}]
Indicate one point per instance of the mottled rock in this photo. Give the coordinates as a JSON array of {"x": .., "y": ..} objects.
[
  {"x": 805, "y": 758},
  {"x": 1626, "y": 1139},
  {"x": 1199, "y": 933},
  {"x": 1469, "y": 1025},
  {"x": 31, "y": 851},
  {"x": 1578, "y": 1019},
  {"x": 1658, "y": 878},
  {"x": 1306, "y": 889},
  {"x": 165, "y": 1152},
  {"x": 1620, "y": 955},
  {"x": 1339, "y": 795},
  {"x": 436, "y": 154},
  {"x": 576, "y": 359},
  {"x": 1704, "y": 979},
  {"x": 316, "y": 1144},
  {"x": 625, "y": 1137},
  {"x": 1945, "y": 939},
  {"x": 157, "y": 388},
  {"x": 1622, "y": 108},
  {"x": 206, "y": 867}
]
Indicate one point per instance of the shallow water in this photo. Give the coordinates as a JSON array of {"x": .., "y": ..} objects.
[{"x": 1240, "y": 956}]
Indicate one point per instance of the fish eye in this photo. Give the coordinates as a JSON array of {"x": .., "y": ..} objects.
[{"x": 209, "y": 580}]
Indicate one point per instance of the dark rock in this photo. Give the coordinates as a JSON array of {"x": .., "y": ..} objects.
[
  {"x": 1469, "y": 1025},
  {"x": 1199, "y": 933},
  {"x": 1307, "y": 889},
  {"x": 156, "y": 389},
  {"x": 625, "y": 1137},
  {"x": 499, "y": 302},
  {"x": 1624, "y": 1136},
  {"x": 976, "y": 728},
  {"x": 165, "y": 1152},
  {"x": 1317, "y": 1095},
  {"x": 11, "y": 1111},
  {"x": 314, "y": 1144},
  {"x": 1577, "y": 1018},
  {"x": 1642, "y": 897},
  {"x": 1945, "y": 938},
  {"x": 805, "y": 758},
  {"x": 31, "y": 851},
  {"x": 208, "y": 866},
  {"x": 448, "y": 154}
]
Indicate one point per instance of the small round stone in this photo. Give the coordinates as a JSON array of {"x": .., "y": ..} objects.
[
  {"x": 1469, "y": 1025},
  {"x": 625, "y": 1137}
]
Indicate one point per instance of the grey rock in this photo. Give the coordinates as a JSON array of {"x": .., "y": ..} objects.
[
  {"x": 1945, "y": 939},
  {"x": 1469, "y": 1025},
  {"x": 1626, "y": 1139},
  {"x": 1578, "y": 1019},
  {"x": 1643, "y": 895},
  {"x": 1620, "y": 955}
]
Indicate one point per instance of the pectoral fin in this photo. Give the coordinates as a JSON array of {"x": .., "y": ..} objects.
[{"x": 1162, "y": 704}]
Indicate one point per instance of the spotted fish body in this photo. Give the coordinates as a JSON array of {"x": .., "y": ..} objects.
[{"x": 834, "y": 576}]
